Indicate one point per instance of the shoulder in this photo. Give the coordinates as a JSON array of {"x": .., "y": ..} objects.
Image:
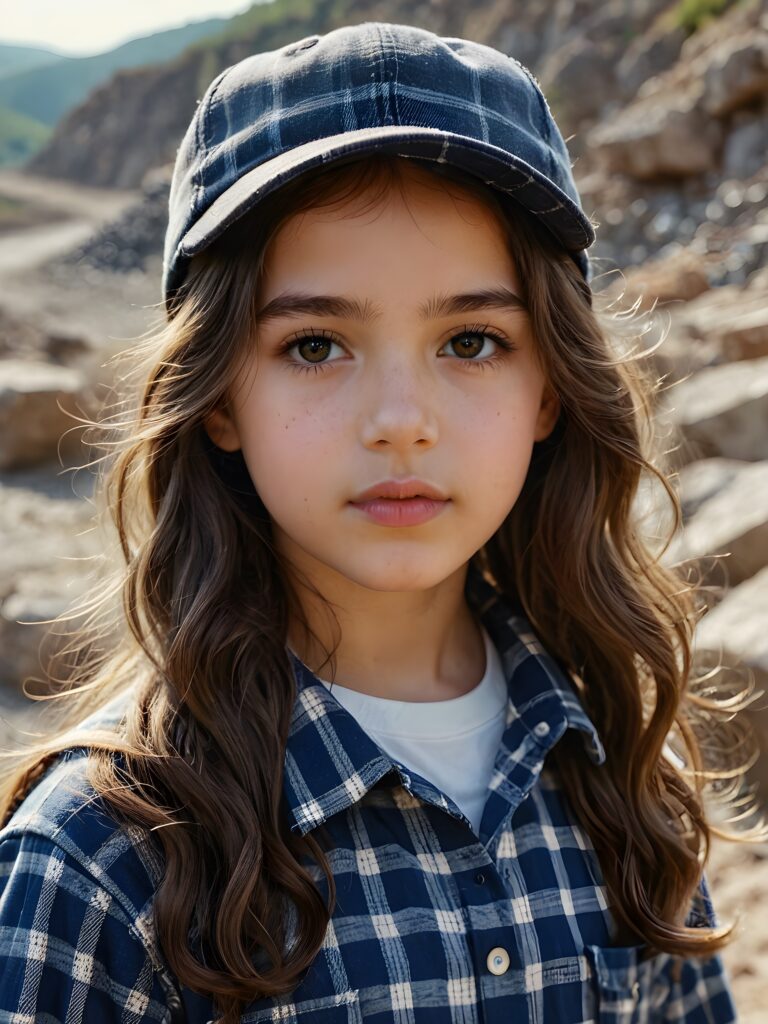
[
  {"x": 63, "y": 807},
  {"x": 76, "y": 897},
  {"x": 64, "y": 827}
]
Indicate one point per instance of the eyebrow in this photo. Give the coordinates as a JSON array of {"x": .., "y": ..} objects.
[{"x": 294, "y": 304}]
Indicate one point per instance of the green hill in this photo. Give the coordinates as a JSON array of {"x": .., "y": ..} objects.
[
  {"x": 20, "y": 137},
  {"x": 15, "y": 58},
  {"x": 47, "y": 92}
]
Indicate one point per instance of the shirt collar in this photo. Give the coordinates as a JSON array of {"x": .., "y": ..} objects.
[{"x": 330, "y": 761}]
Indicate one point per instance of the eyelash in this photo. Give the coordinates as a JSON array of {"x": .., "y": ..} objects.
[{"x": 485, "y": 330}]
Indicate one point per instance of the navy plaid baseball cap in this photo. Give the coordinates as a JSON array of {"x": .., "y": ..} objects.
[{"x": 373, "y": 86}]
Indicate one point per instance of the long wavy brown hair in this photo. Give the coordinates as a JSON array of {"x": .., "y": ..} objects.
[{"x": 194, "y": 616}]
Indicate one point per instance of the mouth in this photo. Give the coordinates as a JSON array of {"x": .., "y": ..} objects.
[
  {"x": 411, "y": 511},
  {"x": 401, "y": 490}
]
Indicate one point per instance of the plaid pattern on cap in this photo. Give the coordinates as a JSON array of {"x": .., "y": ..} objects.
[
  {"x": 372, "y": 86},
  {"x": 433, "y": 923}
]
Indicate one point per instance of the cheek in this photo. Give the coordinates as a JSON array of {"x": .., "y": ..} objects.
[
  {"x": 495, "y": 437},
  {"x": 287, "y": 450}
]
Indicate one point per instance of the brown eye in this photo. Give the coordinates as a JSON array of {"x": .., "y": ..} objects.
[
  {"x": 314, "y": 348},
  {"x": 471, "y": 347}
]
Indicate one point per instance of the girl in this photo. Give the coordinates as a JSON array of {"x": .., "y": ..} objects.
[{"x": 394, "y": 718}]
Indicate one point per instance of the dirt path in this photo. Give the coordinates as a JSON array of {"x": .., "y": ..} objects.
[
  {"x": 83, "y": 209},
  {"x": 26, "y": 293},
  {"x": 91, "y": 204}
]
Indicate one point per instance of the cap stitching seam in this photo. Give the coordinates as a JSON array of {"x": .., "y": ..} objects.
[{"x": 202, "y": 136}]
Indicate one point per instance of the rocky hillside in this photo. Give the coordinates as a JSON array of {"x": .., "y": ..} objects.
[{"x": 597, "y": 53}]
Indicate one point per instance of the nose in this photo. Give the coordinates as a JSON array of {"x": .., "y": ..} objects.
[{"x": 399, "y": 407}]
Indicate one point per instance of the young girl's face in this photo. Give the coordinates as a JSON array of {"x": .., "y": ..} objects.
[{"x": 333, "y": 401}]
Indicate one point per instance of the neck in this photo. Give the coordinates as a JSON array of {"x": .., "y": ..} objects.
[{"x": 423, "y": 645}]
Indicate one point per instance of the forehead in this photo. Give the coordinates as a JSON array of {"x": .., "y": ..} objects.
[{"x": 418, "y": 226}]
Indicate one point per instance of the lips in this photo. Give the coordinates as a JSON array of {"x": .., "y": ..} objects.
[{"x": 401, "y": 489}]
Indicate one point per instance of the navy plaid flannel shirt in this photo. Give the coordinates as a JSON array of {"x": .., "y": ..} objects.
[{"x": 433, "y": 923}]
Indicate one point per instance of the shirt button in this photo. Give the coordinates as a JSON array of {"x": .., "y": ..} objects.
[
  {"x": 498, "y": 960},
  {"x": 541, "y": 728}
]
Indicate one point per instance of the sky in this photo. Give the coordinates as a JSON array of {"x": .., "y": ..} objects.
[{"x": 81, "y": 27}]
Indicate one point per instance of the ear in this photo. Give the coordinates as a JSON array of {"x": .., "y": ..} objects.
[
  {"x": 549, "y": 410},
  {"x": 222, "y": 430}
]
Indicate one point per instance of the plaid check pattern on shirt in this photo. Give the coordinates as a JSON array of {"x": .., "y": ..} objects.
[{"x": 433, "y": 924}]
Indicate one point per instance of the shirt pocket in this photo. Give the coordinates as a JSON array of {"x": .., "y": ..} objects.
[
  {"x": 633, "y": 986},
  {"x": 339, "y": 1008}
]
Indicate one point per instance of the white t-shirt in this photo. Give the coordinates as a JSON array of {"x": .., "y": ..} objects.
[{"x": 452, "y": 743}]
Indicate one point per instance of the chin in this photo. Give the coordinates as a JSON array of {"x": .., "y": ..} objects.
[{"x": 399, "y": 578}]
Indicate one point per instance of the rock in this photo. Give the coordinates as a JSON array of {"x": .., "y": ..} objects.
[
  {"x": 737, "y": 626},
  {"x": 46, "y": 561},
  {"x": 736, "y": 73},
  {"x": 733, "y": 522},
  {"x": 701, "y": 480},
  {"x": 721, "y": 410},
  {"x": 758, "y": 280},
  {"x": 732, "y": 320},
  {"x": 715, "y": 310},
  {"x": 44, "y": 520},
  {"x": 32, "y": 422},
  {"x": 745, "y": 336},
  {"x": 661, "y": 136},
  {"x": 682, "y": 275},
  {"x": 577, "y": 79},
  {"x": 18, "y": 337},
  {"x": 66, "y": 348},
  {"x": 26, "y": 637},
  {"x": 746, "y": 146},
  {"x": 733, "y": 634},
  {"x": 128, "y": 243},
  {"x": 679, "y": 355},
  {"x": 647, "y": 56}
]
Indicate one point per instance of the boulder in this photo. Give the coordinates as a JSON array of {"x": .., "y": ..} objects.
[
  {"x": 736, "y": 73},
  {"x": 701, "y": 480},
  {"x": 734, "y": 320},
  {"x": 679, "y": 355},
  {"x": 44, "y": 525},
  {"x": 736, "y": 626},
  {"x": 66, "y": 347},
  {"x": 649, "y": 55},
  {"x": 681, "y": 275},
  {"x": 721, "y": 410},
  {"x": 577, "y": 79},
  {"x": 49, "y": 554},
  {"x": 665, "y": 135},
  {"x": 746, "y": 335},
  {"x": 38, "y": 404},
  {"x": 733, "y": 522},
  {"x": 733, "y": 634},
  {"x": 746, "y": 145},
  {"x": 26, "y": 637}
]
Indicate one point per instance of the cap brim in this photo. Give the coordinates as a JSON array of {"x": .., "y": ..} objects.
[{"x": 496, "y": 167}]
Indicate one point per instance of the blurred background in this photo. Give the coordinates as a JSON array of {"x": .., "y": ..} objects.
[{"x": 664, "y": 106}]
